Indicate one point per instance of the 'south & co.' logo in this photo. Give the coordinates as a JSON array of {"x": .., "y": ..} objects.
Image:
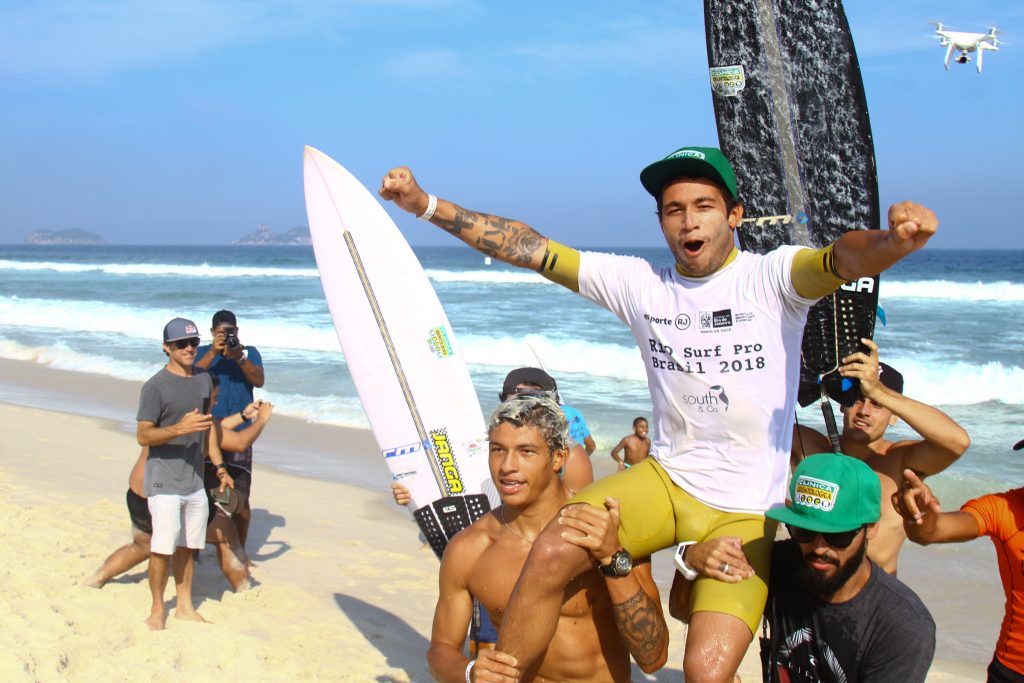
[{"x": 714, "y": 400}]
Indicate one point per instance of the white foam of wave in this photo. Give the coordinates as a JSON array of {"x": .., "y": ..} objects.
[
  {"x": 61, "y": 357},
  {"x": 1001, "y": 291},
  {"x": 484, "y": 276},
  {"x": 159, "y": 269},
  {"x": 82, "y": 317},
  {"x": 958, "y": 383},
  {"x": 332, "y": 410},
  {"x": 559, "y": 356}
]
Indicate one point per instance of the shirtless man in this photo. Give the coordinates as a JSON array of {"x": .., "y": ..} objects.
[
  {"x": 879, "y": 405},
  {"x": 636, "y": 446},
  {"x": 606, "y": 614}
]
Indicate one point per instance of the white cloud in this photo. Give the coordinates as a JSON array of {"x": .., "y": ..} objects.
[
  {"x": 74, "y": 40},
  {"x": 435, "y": 64},
  {"x": 623, "y": 46}
]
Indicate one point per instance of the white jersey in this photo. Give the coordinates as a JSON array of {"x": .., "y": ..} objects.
[{"x": 722, "y": 354}]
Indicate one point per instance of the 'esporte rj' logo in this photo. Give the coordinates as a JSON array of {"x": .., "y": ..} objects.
[
  {"x": 687, "y": 154},
  {"x": 815, "y": 493}
]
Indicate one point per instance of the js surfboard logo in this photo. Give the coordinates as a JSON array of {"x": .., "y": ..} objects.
[
  {"x": 728, "y": 80},
  {"x": 761, "y": 221},
  {"x": 815, "y": 493},
  {"x": 443, "y": 454},
  {"x": 439, "y": 343},
  {"x": 865, "y": 284}
]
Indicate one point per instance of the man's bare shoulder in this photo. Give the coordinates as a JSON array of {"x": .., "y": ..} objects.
[{"x": 475, "y": 539}]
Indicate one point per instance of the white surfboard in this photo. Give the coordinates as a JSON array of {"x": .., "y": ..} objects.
[{"x": 399, "y": 346}]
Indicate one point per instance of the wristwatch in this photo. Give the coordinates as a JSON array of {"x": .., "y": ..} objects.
[
  {"x": 621, "y": 565},
  {"x": 688, "y": 572}
]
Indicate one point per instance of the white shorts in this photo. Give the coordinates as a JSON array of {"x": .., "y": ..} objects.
[{"x": 178, "y": 521}]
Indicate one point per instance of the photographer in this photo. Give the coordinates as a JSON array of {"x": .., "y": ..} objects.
[{"x": 239, "y": 369}]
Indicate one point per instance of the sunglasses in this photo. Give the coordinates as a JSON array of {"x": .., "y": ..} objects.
[
  {"x": 839, "y": 539},
  {"x": 183, "y": 343}
]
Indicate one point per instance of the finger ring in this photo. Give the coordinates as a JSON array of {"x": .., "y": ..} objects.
[{"x": 724, "y": 567}]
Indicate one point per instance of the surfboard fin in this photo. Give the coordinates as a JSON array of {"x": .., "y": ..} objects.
[{"x": 880, "y": 313}]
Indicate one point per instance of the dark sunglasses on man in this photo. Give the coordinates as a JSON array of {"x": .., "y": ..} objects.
[
  {"x": 182, "y": 343},
  {"x": 837, "y": 539}
]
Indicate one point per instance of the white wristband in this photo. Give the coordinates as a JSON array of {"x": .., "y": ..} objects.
[
  {"x": 688, "y": 572},
  {"x": 472, "y": 662},
  {"x": 428, "y": 214}
]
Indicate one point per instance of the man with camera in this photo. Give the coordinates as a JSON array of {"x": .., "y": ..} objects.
[{"x": 239, "y": 369}]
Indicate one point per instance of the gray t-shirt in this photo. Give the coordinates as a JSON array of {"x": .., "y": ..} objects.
[
  {"x": 175, "y": 467},
  {"x": 883, "y": 634}
]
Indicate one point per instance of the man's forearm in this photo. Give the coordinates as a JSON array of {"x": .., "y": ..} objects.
[
  {"x": 253, "y": 373},
  {"x": 933, "y": 425},
  {"x": 447, "y": 663},
  {"x": 155, "y": 436},
  {"x": 511, "y": 241},
  {"x": 859, "y": 253},
  {"x": 206, "y": 360},
  {"x": 642, "y": 628}
]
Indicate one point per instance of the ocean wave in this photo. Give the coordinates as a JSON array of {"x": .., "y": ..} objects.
[
  {"x": 559, "y": 356},
  {"x": 1000, "y": 291},
  {"x": 957, "y": 383},
  {"x": 160, "y": 269},
  {"x": 330, "y": 409},
  {"x": 61, "y": 357},
  {"x": 485, "y": 276},
  {"x": 83, "y": 317}
]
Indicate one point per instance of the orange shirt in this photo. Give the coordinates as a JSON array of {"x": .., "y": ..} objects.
[{"x": 997, "y": 515}]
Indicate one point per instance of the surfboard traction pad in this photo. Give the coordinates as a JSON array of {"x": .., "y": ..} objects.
[
  {"x": 807, "y": 50},
  {"x": 447, "y": 516}
]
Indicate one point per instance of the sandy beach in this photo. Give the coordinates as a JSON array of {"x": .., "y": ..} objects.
[{"x": 344, "y": 589}]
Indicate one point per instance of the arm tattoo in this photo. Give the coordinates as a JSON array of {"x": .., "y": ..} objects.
[
  {"x": 640, "y": 628},
  {"x": 501, "y": 238}
]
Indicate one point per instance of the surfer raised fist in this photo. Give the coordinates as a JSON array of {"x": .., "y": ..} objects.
[
  {"x": 400, "y": 187},
  {"x": 912, "y": 225}
]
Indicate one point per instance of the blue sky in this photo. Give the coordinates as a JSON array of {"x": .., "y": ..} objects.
[{"x": 183, "y": 122}]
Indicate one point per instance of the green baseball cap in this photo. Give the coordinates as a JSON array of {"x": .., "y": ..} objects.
[
  {"x": 699, "y": 162},
  {"x": 831, "y": 492}
]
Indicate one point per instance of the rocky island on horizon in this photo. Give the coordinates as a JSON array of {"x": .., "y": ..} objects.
[
  {"x": 264, "y": 235},
  {"x": 74, "y": 236}
]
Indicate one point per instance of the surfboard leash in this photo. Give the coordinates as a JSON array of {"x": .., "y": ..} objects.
[{"x": 830, "y": 418}]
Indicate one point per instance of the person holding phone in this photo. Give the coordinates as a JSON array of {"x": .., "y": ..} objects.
[{"x": 239, "y": 368}]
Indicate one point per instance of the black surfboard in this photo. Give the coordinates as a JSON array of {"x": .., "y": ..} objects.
[{"x": 793, "y": 119}]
